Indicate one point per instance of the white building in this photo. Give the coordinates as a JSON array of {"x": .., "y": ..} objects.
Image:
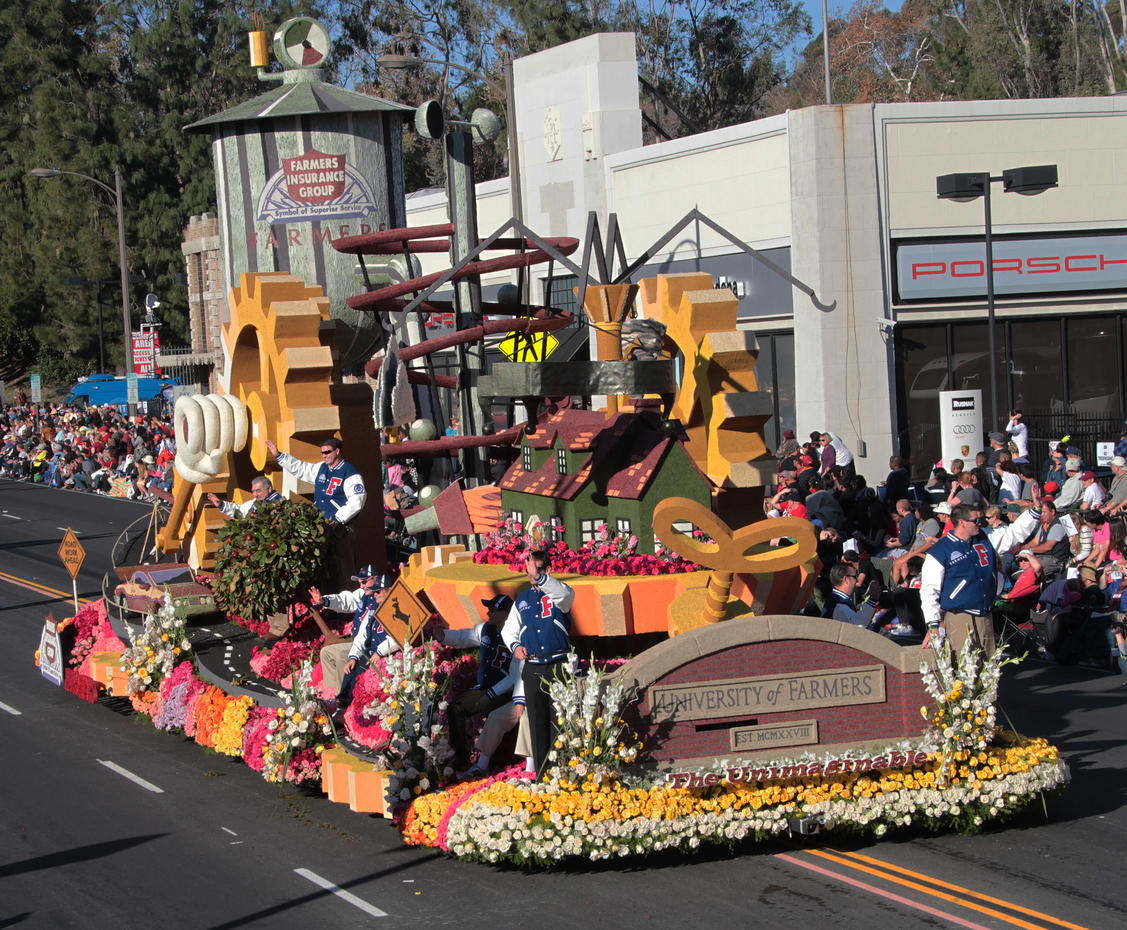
[{"x": 844, "y": 198}]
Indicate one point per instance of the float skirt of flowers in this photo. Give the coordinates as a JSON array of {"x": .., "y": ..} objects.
[{"x": 545, "y": 823}]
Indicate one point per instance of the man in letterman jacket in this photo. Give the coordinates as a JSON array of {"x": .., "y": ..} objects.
[
  {"x": 958, "y": 582},
  {"x": 538, "y": 632}
]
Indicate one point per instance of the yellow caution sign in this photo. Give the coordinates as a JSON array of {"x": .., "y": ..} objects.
[
  {"x": 402, "y": 614},
  {"x": 528, "y": 347}
]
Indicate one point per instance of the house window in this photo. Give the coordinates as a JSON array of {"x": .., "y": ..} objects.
[
  {"x": 517, "y": 516},
  {"x": 622, "y": 526},
  {"x": 561, "y": 461},
  {"x": 526, "y": 458},
  {"x": 588, "y": 530},
  {"x": 559, "y": 292},
  {"x": 681, "y": 526}
]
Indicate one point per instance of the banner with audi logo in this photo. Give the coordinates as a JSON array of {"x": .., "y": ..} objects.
[{"x": 960, "y": 426}]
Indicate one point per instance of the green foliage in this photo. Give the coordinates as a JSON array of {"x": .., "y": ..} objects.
[{"x": 267, "y": 559}]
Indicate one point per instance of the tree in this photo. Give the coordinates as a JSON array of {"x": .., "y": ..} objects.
[
  {"x": 59, "y": 74},
  {"x": 879, "y": 55}
]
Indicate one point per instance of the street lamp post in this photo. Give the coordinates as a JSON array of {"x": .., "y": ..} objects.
[
  {"x": 400, "y": 62},
  {"x": 968, "y": 186},
  {"x": 115, "y": 193}
]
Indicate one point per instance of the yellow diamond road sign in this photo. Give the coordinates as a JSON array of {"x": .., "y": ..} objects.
[
  {"x": 528, "y": 347},
  {"x": 72, "y": 553}
]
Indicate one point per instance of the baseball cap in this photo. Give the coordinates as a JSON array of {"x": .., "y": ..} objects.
[
  {"x": 996, "y": 437},
  {"x": 788, "y": 434},
  {"x": 1051, "y": 487},
  {"x": 1119, "y": 462},
  {"x": 1025, "y": 553},
  {"x": 943, "y": 507},
  {"x": 498, "y": 603},
  {"x": 1088, "y": 476},
  {"x": 1072, "y": 465},
  {"x": 370, "y": 571}
]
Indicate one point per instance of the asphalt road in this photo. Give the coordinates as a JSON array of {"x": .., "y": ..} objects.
[{"x": 86, "y": 842}]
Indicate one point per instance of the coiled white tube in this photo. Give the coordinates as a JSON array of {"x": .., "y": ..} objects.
[{"x": 208, "y": 427}]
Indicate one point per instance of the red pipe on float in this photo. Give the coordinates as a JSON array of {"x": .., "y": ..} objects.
[{"x": 373, "y": 299}]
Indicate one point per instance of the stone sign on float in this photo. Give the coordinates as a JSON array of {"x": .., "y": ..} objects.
[
  {"x": 774, "y": 687},
  {"x": 768, "y": 694}
]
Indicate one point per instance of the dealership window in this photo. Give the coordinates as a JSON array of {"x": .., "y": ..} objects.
[
  {"x": 1093, "y": 360},
  {"x": 1035, "y": 365},
  {"x": 1066, "y": 375},
  {"x": 774, "y": 373}
]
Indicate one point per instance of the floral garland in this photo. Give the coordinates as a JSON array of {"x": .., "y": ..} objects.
[
  {"x": 209, "y": 715},
  {"x": 256, "y": 734},
  {"x": 425, "y": 821},
  {"x": 154, "y": 651},
  {"x": 546, "y": 822},
  {"x": 965, "y": 690},
  {"x": 174, "y": 694},
  {"x": 590, "y": 740},
  {"x": 418, "y": 752},
  {"x": 298, "y": 733},
  {"x": 606, "y": 555},
  {"x": 229, "y": 738}
]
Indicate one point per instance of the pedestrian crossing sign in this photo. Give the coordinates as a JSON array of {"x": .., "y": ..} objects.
[{"x": 528, "y": 347}]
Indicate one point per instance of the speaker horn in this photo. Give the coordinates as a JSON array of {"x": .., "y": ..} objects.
[
  {"x": 486, "y": 124},
  {"x": 429, "y": 121}
]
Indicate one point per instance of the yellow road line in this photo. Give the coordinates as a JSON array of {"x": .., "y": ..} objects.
[
  {"x": 967, "y": 891},
  {"x": 40, "y": 588},
  {"x": 841, "y": 859}
]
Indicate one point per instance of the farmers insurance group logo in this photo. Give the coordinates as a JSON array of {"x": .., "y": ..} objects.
[{"x": 315, "y": 186}]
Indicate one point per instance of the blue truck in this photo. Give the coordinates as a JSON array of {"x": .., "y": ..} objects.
[{"x": 153, "y": 394}]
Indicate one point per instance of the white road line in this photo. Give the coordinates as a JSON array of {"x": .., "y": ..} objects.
[
  {"x": 348, "y": 896},
  {"x": 63, "y": 528},
  {"x": 226, "y": 830},
  {"x": 11, "y": 516},
  {"x": 136, "y": 779},
  {"x": 8, "y": 709}
]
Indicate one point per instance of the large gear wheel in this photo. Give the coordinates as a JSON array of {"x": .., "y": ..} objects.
[{"x": 279, "y": 364}]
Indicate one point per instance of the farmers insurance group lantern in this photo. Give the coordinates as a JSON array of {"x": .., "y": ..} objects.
[{"x": 301, "y": 166}]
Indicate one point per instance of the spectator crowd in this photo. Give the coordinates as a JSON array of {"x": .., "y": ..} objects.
[
  {"x": 94, "y": 449},
  {"x": 1057, "y": 537}
]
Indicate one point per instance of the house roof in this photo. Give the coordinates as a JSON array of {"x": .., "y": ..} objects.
[{"x": 623, "y": 454}]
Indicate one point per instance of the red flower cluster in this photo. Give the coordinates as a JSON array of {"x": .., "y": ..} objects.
[{"x": 598, "y": 558}]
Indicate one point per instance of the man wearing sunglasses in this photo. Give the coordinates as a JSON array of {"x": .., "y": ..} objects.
[
  {"x": 841, "y": 603},
  {"x": 338, "y": 488},
  {"x": 958, "y": 583},
  {"x": 338, "y": 492}
]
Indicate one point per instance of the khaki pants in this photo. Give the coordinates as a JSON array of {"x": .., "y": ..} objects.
[
  {"x": 496, "y": 725},
  {"x": 333, "y": 660},
  {"x": 960, "y": 626}
]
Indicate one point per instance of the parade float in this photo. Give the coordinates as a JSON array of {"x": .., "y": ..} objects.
[{"x": 701, "y": 709}]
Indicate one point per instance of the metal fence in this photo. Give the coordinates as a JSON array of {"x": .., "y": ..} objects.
[{"x": 1083, "y": 430}]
